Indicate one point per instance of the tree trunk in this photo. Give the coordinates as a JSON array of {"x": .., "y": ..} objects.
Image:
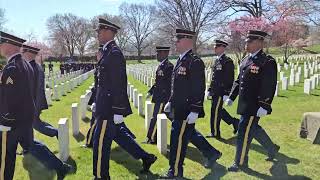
[{"x": 139, "y": 54}]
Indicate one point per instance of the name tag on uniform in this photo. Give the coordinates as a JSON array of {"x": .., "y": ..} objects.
[
  {"x": 254, "y": 69},
  {"x": 182, "y": 71}
]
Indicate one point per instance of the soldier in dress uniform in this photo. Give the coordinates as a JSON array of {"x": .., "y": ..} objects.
[
  {"x": 18, "y": 111},
  {"x": 112, "y": 105},
  {"x": 30, "y": 55},
  {"x": 50, "y": 67},
  {"x": 62, "y": 68},
  {"x": 185, "y": 104},
  {"x": 255, "y": 86},
  {"x": 93, "y": 104},
  {"x": 160, "y": 91},
  {"x": 221, "y": 84}
]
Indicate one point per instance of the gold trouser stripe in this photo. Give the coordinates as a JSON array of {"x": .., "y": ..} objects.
[
  {"x": 91, "y": 132},
  {"x": 183, "y": 127},
  {"x": 216, "y": 116},
  {"x": 155, "y": 127},
  {"x": 103, "y": 131},
  {"x": 245, "y": 141},
  {"x": 3, "y": 154}
]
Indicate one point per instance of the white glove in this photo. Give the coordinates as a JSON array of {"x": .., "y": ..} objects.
[
  {"x": 225, "y": 97},
  {"x": 192, "y": 117},
  {"x": 4, "y": 128},
  {"x": 167, "y": 107},
  {"x": 228, "y": 102},
  {"x": 117, "y": 119},
  {"x": 93, "y": 107},
  {"x": 262, "y": 112},
  {"x": 148, "y": 96}
]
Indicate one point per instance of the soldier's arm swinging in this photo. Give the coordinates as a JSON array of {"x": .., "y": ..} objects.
[
  {"x": 118, "y": 83},
  {"x": 268, "y": 85},
  {"x": 197, "y": 78},
  {"x": 10, "y": 99}
]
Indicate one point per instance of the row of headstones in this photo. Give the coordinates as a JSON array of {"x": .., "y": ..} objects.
[
  {"x": 61, "y": 78},
  {"x": 311, "y": 83},
  {"x": 78, "y": 111},
  {"x": 143, "y": 75},
  {"x": 64, "y": 88},
  {"x": 136, "y": 99}
]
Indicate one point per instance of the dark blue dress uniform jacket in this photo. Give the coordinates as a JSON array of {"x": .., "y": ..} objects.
[
  {"x": 18, "y": 93},
  {"x": 160, "y": 91},
  {"x": 256, "y": 84},
  {"x": 112, "y": 97},
  {"x": 222, "y": 76},
  {"x": 188, "y": 87},
  {"x": 41, "y": 101}
]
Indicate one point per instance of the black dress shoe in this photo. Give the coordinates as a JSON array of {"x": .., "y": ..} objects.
[
  {"x": 149, "y": 141},
  {"x": 211, "y": 161},
  {"x": 85, "y": 146},
  {"x": 170, "y": 175},
  {"x": 209, "y": 136},
  {"x": 236, "y": 168},
  {"x": 146, "y": 163},
  {"x": 272, "y": 156},
  {"x": 66, "y": 169},
  {"x": 213, "y": 136}
]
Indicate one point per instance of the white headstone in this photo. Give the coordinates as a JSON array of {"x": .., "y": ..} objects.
[
  {"x": 62, "y": 89},
  {"x": 56, "y": 93},
  {"x": 277, "y": 89},
  {"x": 148, "y": 114},
  {"x": 131, "y": 92},
  {"x": 284, "y": 83},
  {"x": 140, "y": 104},
  {"x": 63, "y": 137},
  {"x": 135, "y": 98},
  {"x": 83, "y": 106},
  {"x": 292, "y": 79},
  {"x": 162, "y": 133},
  {"x": 306, "y": 73},
  {"x": 75, "y": 119},
  {"x": 307, "y": 86},
  {"x": 297, "y": 78},
  {"x": 48, "y": 96},
  {"x": 281, "y": 76},
  {"x": 313, "y": 82}
]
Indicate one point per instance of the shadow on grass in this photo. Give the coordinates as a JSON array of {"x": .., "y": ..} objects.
[
  {"x": 279, "y": 168},
  {"x": 134, "y": 166},
  {"x": 86, "y": 120},
  {"x": 73, "y": 163},
  {"x": 312, "y": 94},
  {"x": 280, "y": 157},
  {"x": 217, "y": 172},
  {"x": 282, "y": 96},
  {"x": 80, "y": 137}
]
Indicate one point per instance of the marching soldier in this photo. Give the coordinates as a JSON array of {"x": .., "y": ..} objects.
[
  {"x": 255, "y": 86},
  {"x": 50, "y": 67},
  {"x": 17, "y": 104},
  {"x": 62, "y": 68},
  {"x": 160, "y": 91},
  {"x": 185, "y": 104},
  {"x": 18, "y": 111},
  {"x": 30, "y": 54},
  {"x": 221, "y": 84},
  {"x": 93, "y": 104},
  {"x": 112, "y": 105}
]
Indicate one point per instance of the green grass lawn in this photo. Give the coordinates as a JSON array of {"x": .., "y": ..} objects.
[{"x": 298, "y": 158}]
